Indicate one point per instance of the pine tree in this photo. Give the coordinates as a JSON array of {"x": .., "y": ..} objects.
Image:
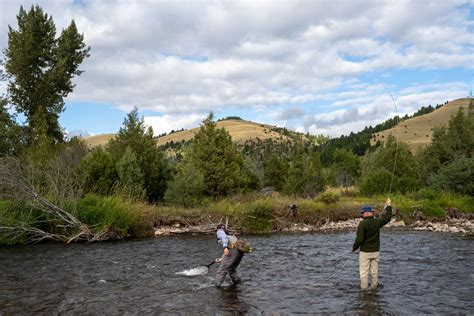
[
  {"x": 130, "y": 174},
  {"x": 216, "y": 163},
  {"x": 139, "y": 139}
]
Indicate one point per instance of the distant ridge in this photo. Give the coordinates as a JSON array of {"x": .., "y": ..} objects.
[
  {"x": 240, "y": 131},
  {"x": 417, "y": 131}
]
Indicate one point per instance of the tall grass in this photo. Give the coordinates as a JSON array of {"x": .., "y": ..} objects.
[
  {"x": 249, "y": 213},
  {"x": 122, "y": 216}
]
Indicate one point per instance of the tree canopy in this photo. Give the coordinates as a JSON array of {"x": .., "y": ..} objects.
[{"x": 40, "y": 67}]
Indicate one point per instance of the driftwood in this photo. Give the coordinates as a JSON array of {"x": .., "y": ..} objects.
[{"x": 16, "y": 185}]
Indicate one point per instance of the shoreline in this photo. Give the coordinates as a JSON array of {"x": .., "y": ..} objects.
[{"x": 459, "y": 226}]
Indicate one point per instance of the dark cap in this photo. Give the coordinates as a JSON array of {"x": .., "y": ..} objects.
[
  {"x": 220, "y": 226},
  {"x": 367, "y": 208}
]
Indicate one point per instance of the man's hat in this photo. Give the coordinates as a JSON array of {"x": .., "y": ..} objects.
[
  {"x": 220, "y": 226},
  {"x": 367, "y": 208}
]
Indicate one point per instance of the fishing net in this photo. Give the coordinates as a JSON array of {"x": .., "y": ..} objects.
[{"x": 202, "y": 270}]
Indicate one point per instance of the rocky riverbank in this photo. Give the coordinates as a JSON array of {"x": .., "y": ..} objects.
[{"x": 449, "y": 225}]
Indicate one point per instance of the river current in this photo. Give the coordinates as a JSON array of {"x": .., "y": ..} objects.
[{"x": 420, "y": 273}]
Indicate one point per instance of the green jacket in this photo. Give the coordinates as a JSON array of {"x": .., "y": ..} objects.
[{"x": 368, "y": 232}]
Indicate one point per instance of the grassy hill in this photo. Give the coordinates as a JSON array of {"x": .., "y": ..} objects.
[
  {"x": 98, "y": 140},
  {"x": 417, "y": 131},
  {"x": 240, "y": 130}
]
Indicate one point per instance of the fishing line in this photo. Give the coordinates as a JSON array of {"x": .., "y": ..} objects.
[{"x": 396, "y": 140}]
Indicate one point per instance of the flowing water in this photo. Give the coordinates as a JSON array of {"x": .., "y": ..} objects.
[{"x": 421, "y": 273}]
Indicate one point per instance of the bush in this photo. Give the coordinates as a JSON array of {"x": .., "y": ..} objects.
[
  {"x": 11, "y": 214},
  {"x": 375, "y": 181},
  {"x": 457, "y": 176},
  {"x": 113, "y": 212},
  {"x": 329, "y": 197},
  {"x": 427, "y": 194},
  {"x": 258, "y": 217}
]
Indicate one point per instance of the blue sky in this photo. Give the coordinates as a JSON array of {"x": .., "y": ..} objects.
[{"x": 323, "y": 67}]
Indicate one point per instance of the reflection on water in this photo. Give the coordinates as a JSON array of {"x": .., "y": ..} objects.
[
  {"x": 421, "y": 273},
  {"x": 231, "y": 301},
  {"x": 369, "y": 303}
]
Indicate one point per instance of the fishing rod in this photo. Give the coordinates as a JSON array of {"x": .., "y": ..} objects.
[{"x": 396, "y": 148}]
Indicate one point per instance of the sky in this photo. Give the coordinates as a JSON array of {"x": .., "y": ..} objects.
[{"x": 324, "y": 67}]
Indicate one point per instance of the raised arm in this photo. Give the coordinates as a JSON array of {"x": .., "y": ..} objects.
[{"x": 387, "y": 216}]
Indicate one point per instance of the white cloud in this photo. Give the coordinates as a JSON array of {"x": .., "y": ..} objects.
[
  {"x": 377, "y": 106},
  {"x": 190, "y": 58},
  {"x": 167, "y": 123}
]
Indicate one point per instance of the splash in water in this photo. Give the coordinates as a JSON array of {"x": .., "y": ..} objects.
[{"x": 194, "y": 271}]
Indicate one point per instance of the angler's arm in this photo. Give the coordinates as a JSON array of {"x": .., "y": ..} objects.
[
  {"x": 387, "y": 216},
  {"x": 222, "y": 236},
  {"x": 359, "y": 238}
]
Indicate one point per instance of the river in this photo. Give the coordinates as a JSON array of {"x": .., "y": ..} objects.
[{"x": 420, "y": 273}]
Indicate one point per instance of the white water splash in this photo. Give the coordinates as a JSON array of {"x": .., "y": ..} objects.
[{"x": 194, "y": 271}]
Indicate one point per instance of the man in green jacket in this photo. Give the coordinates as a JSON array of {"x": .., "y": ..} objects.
[{"x": 368, "y": 239}]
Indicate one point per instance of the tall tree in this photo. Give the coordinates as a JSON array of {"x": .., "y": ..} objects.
[
  {"x": 130, "y": 175},
  {"x": 214, "y": 153},
  {"x": 212, "y": 167},
  {"x": 305, "y": 177},
  {"x": 275, "y": 169},
  {"x": 447, "y": 162},
  {"x": 40, "y": 68},
  {"x": 391, "y": 167},
  {"x": 11, "y": 134},
  {"x": 135, "y": 136},
  {"x": 346, "y": 167}
]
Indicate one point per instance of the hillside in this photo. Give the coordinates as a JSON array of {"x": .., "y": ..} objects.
[
  {"x": 240, "y": 130},
  {"x": 417, "y": 131},
  {"x": 98, "y": 140}
]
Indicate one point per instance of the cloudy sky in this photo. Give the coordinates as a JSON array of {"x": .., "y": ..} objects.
[{"x": 324, "y": 67}]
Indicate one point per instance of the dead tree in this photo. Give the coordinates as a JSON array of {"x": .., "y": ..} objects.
[{"x": 16, "y": 185}]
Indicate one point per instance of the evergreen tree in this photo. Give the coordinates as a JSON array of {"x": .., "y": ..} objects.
[
  {"x": 216, "y": 162},
  {"x": 346, "y": 167},
  {"x": 275, "y": 170},
  {"x": 457, "y": 176},
  {"x": 130, "y": 175},
  {"x": 135, "y": 136},
  {"x": 447, "y": 162},
  {"x": 40, "y": 68},
  {"x": 99, "y": 172},
  {"x": 188, "y": 185},
  {"x": 305, "y": 175},
  {"x": 379, "y": 174}
]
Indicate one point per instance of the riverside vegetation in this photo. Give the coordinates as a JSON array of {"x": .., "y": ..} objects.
[{"x": 57, "y": 189}]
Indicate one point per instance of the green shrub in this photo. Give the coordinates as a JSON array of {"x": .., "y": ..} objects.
[
  {"x": 376, "y": 181},
  {"x": 434, "y": 208},
  {"x": 427, "y": 193},
  {"x": 259, "y": 215},
  {"x": 11, "y": 214},
  {"x": 457, "y": 176},
  {"x": 329, "y": 197},
  {"x": 101, "y": 212}
]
